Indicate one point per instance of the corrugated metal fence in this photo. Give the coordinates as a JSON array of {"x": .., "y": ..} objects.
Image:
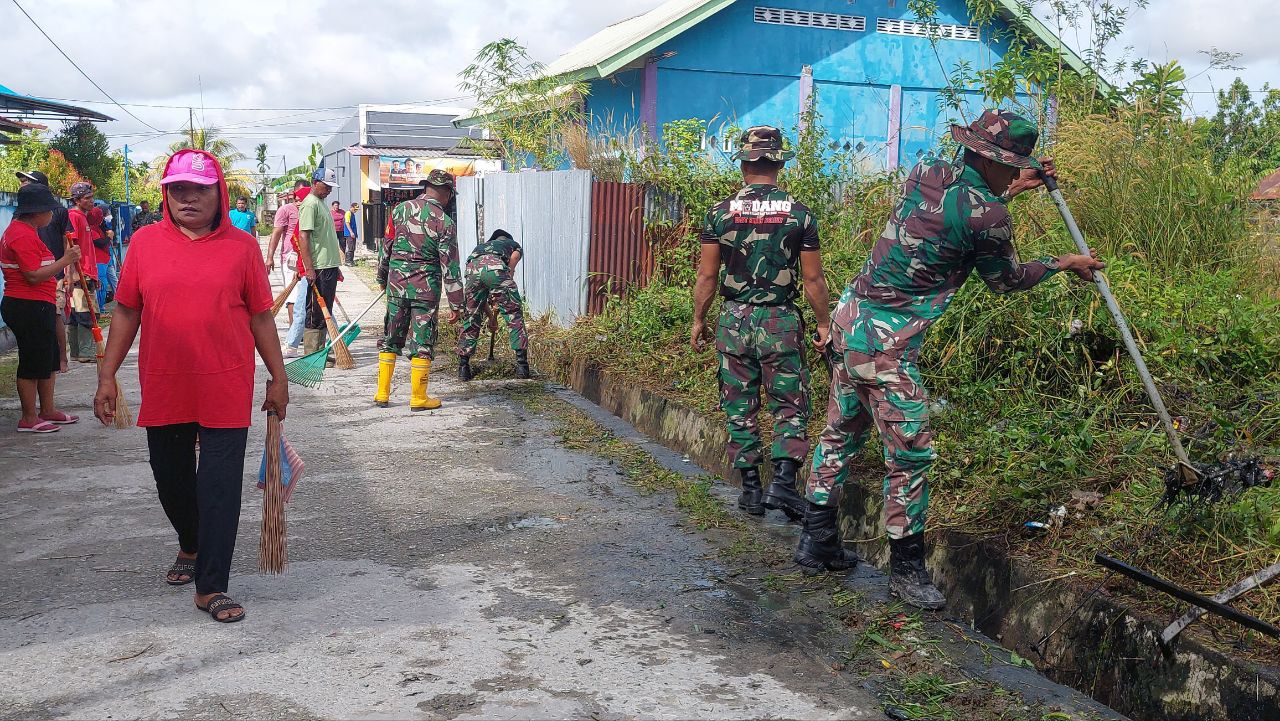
[
  {"x": 547, "y": 213},
  {"x": 619, "y": 256},
  {"x": 585, "y": 241}
]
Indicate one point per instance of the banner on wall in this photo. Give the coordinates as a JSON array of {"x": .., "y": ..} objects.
[{"x": 411, "y": 171}]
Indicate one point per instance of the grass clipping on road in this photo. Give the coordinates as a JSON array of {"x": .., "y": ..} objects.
[{"x": 913, "y": 672}]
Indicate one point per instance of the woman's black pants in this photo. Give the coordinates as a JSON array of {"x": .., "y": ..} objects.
[{"x": 202, "y": 500}]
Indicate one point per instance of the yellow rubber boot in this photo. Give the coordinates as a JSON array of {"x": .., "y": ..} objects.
[
  {"x": 419, "y": 372},
  {"x": 386, "y": 368}
]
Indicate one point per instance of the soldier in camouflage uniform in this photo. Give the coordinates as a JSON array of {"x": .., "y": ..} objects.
[
  {"x": 951, "y": 221},
  {"x": 410, "y": 268},
  {"x": 766, "y": 240},
  {"x": 489, "y": 269}
]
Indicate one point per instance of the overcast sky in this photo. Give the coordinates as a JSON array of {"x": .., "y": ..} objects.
[{"x": 304, "y": 65}]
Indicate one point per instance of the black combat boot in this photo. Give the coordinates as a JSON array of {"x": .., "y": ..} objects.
[
  {"x": 782, "y": 491},
  {"x": 522, "y": 364},
  {"x": 908, "y": 579},
  {"x": 821, "y": 548},
  {"x": 749, "y": 501},
  {"x": 464, "y": 368}
]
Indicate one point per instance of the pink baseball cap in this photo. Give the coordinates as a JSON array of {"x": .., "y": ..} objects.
[{"x": 191, "y": 166}]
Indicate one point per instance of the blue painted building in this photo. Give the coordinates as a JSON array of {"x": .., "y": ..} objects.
[{"x": 736, "y": 63}]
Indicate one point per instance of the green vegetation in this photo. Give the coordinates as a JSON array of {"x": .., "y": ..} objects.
[
  {"x": 9, "y": 374},
  {"x": 1035, "y": 395}
]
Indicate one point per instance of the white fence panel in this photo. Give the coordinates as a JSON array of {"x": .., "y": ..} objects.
[{"x": 549, "y": 214}]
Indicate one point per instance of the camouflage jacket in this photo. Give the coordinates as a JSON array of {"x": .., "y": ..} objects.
[
  {"x": 410, "y": 264},
  {"x": 500, "y": 247},
  {"x": 947, "y": 225},
  {"x": 761, "y": 231}
]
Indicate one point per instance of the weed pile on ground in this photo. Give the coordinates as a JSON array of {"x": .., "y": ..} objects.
[{"x": 1033, "y": 395}]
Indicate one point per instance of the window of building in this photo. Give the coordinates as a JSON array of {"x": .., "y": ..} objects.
[
  {"x": 890, "y": 26},
  {"x": 808, "y": 19}
]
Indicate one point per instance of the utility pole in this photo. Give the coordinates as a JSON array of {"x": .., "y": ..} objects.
[{"x": 191, "y": 125}]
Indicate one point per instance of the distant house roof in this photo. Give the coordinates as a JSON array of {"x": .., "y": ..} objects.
[
  {"x": 399, "y": 152},
  {"x": 630, "y": 41},
  {"x": 1268, "y": 189},
  {"x": 24, "y": 106}
]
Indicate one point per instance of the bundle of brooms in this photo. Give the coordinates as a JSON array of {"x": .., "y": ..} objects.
[
  {"x": 273, "y": 546},
  {"x": 122, "y": 416}
]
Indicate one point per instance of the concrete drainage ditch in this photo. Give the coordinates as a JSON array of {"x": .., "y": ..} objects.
[{"x": 1104, "y": 650}]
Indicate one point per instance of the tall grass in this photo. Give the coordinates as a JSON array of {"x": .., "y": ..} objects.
[{"x": 1040, "y": 398}]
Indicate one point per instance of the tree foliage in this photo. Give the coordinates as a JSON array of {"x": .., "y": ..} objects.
[
  {"x": 300, "y": 172},
  {"x": 1243, "y": 129},
  {"x": 526, "y": 110},
  {"x": 86, "y": 148}
]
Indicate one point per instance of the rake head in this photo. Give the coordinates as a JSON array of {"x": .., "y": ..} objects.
[{"x": 309, "y": 369}]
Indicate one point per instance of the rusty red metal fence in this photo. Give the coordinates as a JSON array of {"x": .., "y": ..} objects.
[{"x": 620, "y": 257}]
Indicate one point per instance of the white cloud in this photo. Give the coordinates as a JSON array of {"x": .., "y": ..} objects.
[{"x": 338, "y": 53}]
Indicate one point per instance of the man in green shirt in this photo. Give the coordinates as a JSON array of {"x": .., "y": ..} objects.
[{"x": 321, "y": 255}]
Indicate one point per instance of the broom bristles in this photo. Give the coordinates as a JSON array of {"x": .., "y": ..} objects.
[
  {"x": 341, "y": 353},
  {"x": 273, "y": 550},
  {"x": 123, "y": 417},
  {"x": 283, "y": 298}
]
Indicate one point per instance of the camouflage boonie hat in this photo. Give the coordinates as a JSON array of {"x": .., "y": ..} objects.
[
  {"x": 763, "y": 142},
  {"x": 439, "y": 177},
  {"x": 1001, "y": 136}
]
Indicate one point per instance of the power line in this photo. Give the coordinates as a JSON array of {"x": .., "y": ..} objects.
[
  {"x": 352, "y": 106},
  {"x": 78, "y": 68}
]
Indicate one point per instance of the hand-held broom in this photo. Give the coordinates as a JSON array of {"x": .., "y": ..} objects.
[
  {"x": 284, "y": 296},
  {"x": 273, "y": 546},
  {"x": 1189, "y": 473},
  {"x": 344, "y": 360},
  {"x": 121, "y": 416}
]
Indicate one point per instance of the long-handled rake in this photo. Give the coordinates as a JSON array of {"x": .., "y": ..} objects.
[
  {"x": 1189, "y": 473},
  {"x": 309, "y": 369}
]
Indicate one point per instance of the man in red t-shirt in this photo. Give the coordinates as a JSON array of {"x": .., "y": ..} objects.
[{"x": 80, "y": 321}]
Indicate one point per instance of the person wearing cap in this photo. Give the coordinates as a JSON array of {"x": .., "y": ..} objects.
[
  {"x": 489, "y": 280},
  {"x": 29, "y": 306},
  {"x": 410, "y": 268},
  {"x": 284, "y": 229},
  {"x": 767, "y": 242},
  {"x": 320, "y": 254},
  {"x": 54, "y": 236},
  {"x": 297, "y": 302},
  {"x": 197, "y": 289},
  {"x": 951, "y": 221},
  {"x": 80, "y": 323}
]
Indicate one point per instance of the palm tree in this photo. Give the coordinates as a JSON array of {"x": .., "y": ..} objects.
[
  {"x": 301, "y": 172},
  {"x": 239, "y": 182}
]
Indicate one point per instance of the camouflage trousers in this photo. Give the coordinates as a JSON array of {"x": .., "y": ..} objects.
[
  {"x": 763, "y": 346},
  {"x": 488, "y": 278},
  {"x": 416, "y": 314},
  {"x": 885, "y": 390}
]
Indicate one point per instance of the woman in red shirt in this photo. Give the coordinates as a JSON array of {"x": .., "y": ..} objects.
[
  {"x": 197, "y": 288},
  {"x": 29, "y": 306}
]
